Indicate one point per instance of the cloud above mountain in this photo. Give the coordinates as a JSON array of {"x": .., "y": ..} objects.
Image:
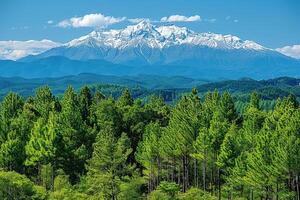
[
  {"x": 13, "y": 50},
  {"x": 180, "y": 18},
  {"x": 99, "y": 20},
  {"x": 292, "y": 51},
  {"x": 91, "y": 20}
]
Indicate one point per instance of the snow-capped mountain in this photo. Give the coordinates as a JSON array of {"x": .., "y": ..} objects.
[
  {"x": 163, "y": 50},
  {"x": 160, "y": 37},
  {"x": 145, "y": 44},
  {"x": 13, "y": 50}
]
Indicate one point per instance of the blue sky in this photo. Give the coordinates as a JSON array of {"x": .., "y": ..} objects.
[{"x": 272, "y": 23}]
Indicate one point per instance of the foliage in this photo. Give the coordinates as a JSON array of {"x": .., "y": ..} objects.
[
  {"x": 90, "y": 145},
  {"x": 17, "y": 186},
  {"x": 195, "y": 194}
]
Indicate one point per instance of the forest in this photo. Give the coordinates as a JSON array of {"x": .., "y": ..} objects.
[{"x": 87, "y": 145}]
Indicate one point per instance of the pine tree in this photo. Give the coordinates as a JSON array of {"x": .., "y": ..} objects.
[
  {"x": 75, "y": 151},
  {"x": 125, "y": 99},
  {"x": 157, "y": 110},
  {"x": 10, "y": 108},
  {"x": 11, "y": 140},
  {"x": 85, "y": 102},
  {"x": 147, "y": 154},
  {"x": 227, "y": 107},
  {"x": 107, "y": 167},
  {"x": 96, "y": 101},
  {"x": 108, "y": 114},
  {"x": 230, "y": 149},
  {"x": 183, "y": 129},
  {"x": 254, "y": 100},
  {"x": 253, "y": 121},
  {"x": 44, "y": 102},
  {"x": 43, "y": 148},
  {"x": 267, "y": 164},
  {"x": 217, "y": 130}
]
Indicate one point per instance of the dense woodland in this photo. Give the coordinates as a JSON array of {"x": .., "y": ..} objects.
[{"x": 85, "y": 145}]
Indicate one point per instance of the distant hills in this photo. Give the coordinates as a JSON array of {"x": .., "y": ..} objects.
[
  {"x": 144, "y": 85},
  {"x": 27, "y": 87},
  {"x": 156, "y": 50},
  {"x": 267, "y": 89}
]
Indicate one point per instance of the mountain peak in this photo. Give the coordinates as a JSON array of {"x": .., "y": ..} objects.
[
  {"x": 145, "y": 33},
  {"x": 144, "y": 24},
  {"x": 166, "y": 49},
  {"x": 143, "y": 28}
]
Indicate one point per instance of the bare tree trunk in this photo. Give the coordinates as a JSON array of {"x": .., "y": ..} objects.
[
  {"x": 229, "y": 196},
  {"x": 183, "y": 174},
  {"x": 52, "y": 177},
  {"x": 204, "y": 173},
  {"x": 149, "y": 185},
  {"x": 251, "y": 194},
  {"x": 219, "y": 184},
  {"x": 173, "y": 169},
  {"x": 158, "y": 170},
  {"x": 150, "y": 178},
  {"x": 187, "y": 172},
  {"x": 39, "y": 174},
  {"x": 211, "y": 181},
  {"x": 297, "y": 187},
  {"x": 196, "y": 182},
  {"x": 267, "y": 193},
  {"x": 178, "y": 176}
]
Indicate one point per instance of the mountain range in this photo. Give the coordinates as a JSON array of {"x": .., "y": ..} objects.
[{"x": 166, "y": 50}]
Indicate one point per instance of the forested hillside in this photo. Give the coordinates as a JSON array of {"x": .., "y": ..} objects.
[{"x": 87, "y": 145}]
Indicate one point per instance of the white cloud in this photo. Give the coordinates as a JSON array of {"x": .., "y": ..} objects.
[
  {"x": 181, "y": 18},
  {"x": 236, "y": 21},
  {"x": 292, "y": 51},
  {"x": 90, "y": 20},
  {"x": 227, "y": 18},
  {"x": 13, "y": 50},
  {"x": 50, "y": 22}
]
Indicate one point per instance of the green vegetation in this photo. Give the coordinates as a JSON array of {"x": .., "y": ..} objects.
[{"x": 94, "y": 145}]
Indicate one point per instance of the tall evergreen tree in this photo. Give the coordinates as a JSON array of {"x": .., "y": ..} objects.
[
  {"x": 85, "y": 102},
  {"x": 73, "y": 135},
  {"x": 148, "y": 154},
  {"x": 11, "y": 140},
  {"x": 108, "y": 114},
  {"x": 44, "y": 102},
  {"x": 227, "y": 107},
  {"x": 157, "y": 110},
  {"x": 43, "y": 147},
  {"x": 125, "y": 99},
  {"x": 183, "y": 128},
  {"x": 107, "y": 167}
]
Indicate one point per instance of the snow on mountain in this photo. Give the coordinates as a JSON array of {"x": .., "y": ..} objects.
[
  {"x": 145, "y": 48},
  {"x": 163, "y": 50},
  {"x": 145, "y": 33},
  {"x": 13, "y": 50}
]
